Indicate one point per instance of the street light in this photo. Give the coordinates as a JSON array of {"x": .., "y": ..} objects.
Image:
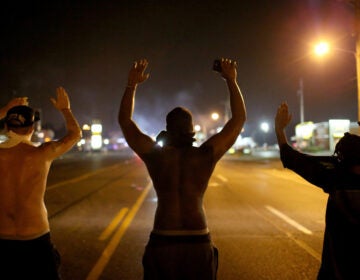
[
  {"x": 215, "y": 116},
  {"x": 323, "y": 48},
  {"x": 265, "y": 127},
  {"x": 320, "y": 49}
]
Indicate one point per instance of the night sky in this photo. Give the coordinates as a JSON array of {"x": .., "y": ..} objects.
[{"x": 88, "y": 47}]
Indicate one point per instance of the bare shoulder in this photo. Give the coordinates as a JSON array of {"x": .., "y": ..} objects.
[
  {"x": 53, "y": 149},
  {"x": 23, "y": 154}
]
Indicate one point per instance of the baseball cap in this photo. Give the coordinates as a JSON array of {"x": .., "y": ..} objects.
[{"x": 21, "y": 116}]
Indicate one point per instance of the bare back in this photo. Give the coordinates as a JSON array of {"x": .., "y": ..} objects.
[
  {"x": 180, "y": 177},
  {"x": 23, "y": 171}
]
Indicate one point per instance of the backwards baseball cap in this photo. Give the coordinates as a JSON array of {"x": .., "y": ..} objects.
[{"x": 21, "y": 116}]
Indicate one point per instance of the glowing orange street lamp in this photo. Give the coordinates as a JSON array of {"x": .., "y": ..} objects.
[{"x": 323, "y": 48}]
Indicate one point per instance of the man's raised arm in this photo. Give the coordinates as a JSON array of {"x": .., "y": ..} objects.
[
  {"x": 282, "y": 119},
  {"x": 73, "y": 135},
  {"x": 223, "y": 141},
  {"x": 138, "y": 141}
]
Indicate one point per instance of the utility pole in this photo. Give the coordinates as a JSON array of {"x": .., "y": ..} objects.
[
  {"x": 301, "y": 97},
  {"x": 356, "y": 4}
]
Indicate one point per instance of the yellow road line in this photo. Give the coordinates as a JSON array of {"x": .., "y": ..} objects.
[
  {"x": 222, "y": 178},
  {"x": 115, "y": 240},
  {"x": 82, "y": 177},
  {"x": 114, "y": 223}
]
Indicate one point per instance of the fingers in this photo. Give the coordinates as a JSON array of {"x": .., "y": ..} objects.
[
  {"x": 60, "y": 90},
  {"x": 227, "y": 61},
  {"x": 283, "y": 107},
  {"x": 283, "y": 113},
  {"x": 53, "y": 101},
  {"x": 228, "y": 69},
  {"x": 136, "y": 74},
  {"x": 140, "y": 64},
  {"x": 62, "y": 100},
  {"x": 61, "y": 93}
]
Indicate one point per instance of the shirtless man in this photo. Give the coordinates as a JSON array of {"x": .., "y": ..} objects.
[
  {"x": 26, "y": 250},
  {"x": 180, "y": 246}
]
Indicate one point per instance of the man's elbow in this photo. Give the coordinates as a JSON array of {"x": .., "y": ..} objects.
[
  {"x": 124, "y": 122},
  {"x": 243, "y": 118},
  {"x": 76, "y": 134},
  {"x": 239, "y": 120},
  {"x": 122, "y": 119},
  {"x": 79, "y": 135}
]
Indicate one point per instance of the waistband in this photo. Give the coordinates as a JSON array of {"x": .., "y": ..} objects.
[
  {"x": 159, "y": 239},
  {"x": 43, "y": 237},
  {"x": 181, "y": 232}
]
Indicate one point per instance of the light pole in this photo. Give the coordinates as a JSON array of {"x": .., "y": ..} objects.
[
  {"x": 301, "y": 97},
  {"x": 357, "y": 54},
  {"x": 319, "y": 49},
  {"x": 265, "y": 127},
  {"x": 356, "y": 5}
]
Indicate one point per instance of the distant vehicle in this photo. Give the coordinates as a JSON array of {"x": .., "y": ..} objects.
[{"x": 244, "y": 145}]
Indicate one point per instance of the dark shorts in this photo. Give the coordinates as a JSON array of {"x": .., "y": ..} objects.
[
  {"x": 29, "y": 259},
  {"x": 180, "y": 257}
]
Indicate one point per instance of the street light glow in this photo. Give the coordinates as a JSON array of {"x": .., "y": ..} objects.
[
  {"x": 321, "y": 48},
  {"x": 265, "y": 127},
  {"x": 215, "y": 116}
]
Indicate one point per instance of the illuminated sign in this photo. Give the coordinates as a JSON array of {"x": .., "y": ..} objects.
[
  {"x": 337, "y": 128},
  {"x": 96, "y": 138},
  {"x": 304, "y": 130}
]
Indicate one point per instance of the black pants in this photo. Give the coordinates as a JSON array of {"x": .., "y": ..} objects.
[
  {"x": 180, "y": 257},
  {"x": 29, "y": 259}
]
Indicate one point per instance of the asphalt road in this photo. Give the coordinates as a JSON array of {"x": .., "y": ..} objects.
[{"x": 266, "y": 221}]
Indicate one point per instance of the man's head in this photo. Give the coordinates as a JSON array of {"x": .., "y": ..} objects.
[
  {"x": 21, "y": 118},
  {"x": 179, "y": 120},
  {"x": 347, "y": 150},
  {"x": 179, "y": 126}
]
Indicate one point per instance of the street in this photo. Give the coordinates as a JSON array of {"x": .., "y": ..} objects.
[{"x": 266, "y": 221}]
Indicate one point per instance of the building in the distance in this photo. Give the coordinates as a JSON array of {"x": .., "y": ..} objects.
[{"x": 322, "y": 136}]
